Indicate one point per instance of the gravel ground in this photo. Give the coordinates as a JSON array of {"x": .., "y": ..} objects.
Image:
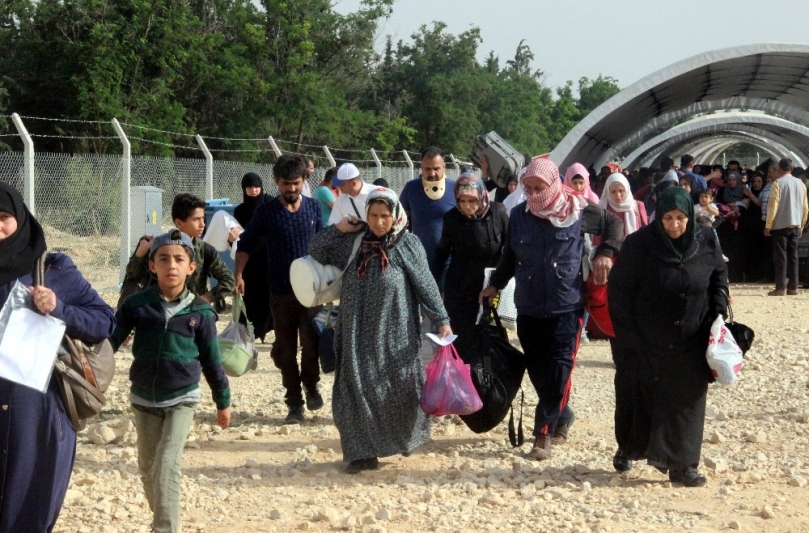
[{"x": 260, "y": 475}]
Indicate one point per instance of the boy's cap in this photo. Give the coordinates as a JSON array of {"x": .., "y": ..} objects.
[
  {"x": 346, "y": 172},
  {"x": 173, "y": 237}
]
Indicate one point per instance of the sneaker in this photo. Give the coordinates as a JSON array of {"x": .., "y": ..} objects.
[
  {"x": 560, "y": 434},
  {"x": 542, "y": 448},
  {"x": 777, "y": 292},
  {"x": 314, "y": 400},
  {"x": 620, "y": 461},
  {"x": 355, "y": 467},
  {"x": 688, "y": 477},
  {"x": 584, "y": 337},
  {"x": 792, "y": 292},
  {"x": 295, "y": 415}
]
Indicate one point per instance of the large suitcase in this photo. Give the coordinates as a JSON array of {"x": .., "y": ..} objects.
[{"x": 504, "y": 160}]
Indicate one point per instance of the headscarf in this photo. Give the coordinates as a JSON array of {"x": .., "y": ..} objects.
[
  {"x": 468, "y": 184},
  {"x": 628, "y": 206},
  {"x": 733, "y": 194},
  {"x": 558, "y": 204},
  {"x": 373, "y": 246},
  {"x": 20, "y": 250},
  {"x": 251, "y": 179},
  {"x": 671, "y": 175},
  {"x": 671, "y": 199},
  {"x": 577, "y": 169}
]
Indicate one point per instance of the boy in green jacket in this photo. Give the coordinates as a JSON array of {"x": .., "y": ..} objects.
[{"x": 176, "y": 341}]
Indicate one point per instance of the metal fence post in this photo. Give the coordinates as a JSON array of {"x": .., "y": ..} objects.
[
  {"x": 208, "y": 167},
  {"x": 455, "y": 163},
  {"x": 28, "y": 163},
  {"x": 378, "y": 163},
  {"x": 326, "y": 151},
  {"x": 126, "y": 199},
  {"x": 275, "y": 149},
  {"x": 409, "y": 163}
]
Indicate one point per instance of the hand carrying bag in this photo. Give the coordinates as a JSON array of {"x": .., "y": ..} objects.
[
  {"x": 497, "y": 373},
  {"x": 723, "y": 354},
  {"x": 448, "y": 389},
  {"x": 743, "y": 335},
  {"x": 237, "y": 343},
  {"x": 83, "y": 371}
]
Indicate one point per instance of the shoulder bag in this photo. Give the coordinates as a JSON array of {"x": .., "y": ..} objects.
[{"x": 83, "y": 371}]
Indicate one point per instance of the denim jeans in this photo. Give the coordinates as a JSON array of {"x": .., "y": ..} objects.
[{"x": 161, "y": 438}]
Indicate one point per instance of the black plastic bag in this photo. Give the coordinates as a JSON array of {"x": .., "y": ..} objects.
[{"x": 497, "y": 372}]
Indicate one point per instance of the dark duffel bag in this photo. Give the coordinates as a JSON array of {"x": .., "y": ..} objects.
[{"x": 497, "y": 372}]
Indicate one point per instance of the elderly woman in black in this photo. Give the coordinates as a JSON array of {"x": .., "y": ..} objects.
[
  {"x": 473, "y": 238},
  {"x": 665, "y": 290}
]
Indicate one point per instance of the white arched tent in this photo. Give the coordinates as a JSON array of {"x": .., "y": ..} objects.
[
  {"x": 764, "y": 72},
  {"x": 783, "y": 131}
]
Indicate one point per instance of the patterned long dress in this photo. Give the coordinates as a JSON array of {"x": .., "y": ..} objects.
[{"x": 379, "y": 377}]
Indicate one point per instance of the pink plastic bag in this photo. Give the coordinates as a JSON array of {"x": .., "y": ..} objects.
[{"x": 448, "y": 389}]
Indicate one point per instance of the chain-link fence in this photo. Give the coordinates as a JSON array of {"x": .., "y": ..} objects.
[{"x": 77, "y": 197}]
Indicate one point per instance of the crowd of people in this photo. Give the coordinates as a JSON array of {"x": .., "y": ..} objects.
[{"x": 660, "y": 245}]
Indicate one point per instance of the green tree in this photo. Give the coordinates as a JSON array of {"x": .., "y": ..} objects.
[{"x": 592, "y": 93}]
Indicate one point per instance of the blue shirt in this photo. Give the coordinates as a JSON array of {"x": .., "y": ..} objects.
[
  {"x": 427, "y": 216},
  {"x": 286, "y": 236},
  {"x": 699, "y": 179}
]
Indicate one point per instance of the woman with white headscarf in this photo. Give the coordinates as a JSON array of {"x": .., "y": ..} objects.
[
  {"x": 379, "y": 376},
  {"x": 544, "y": 251},
  {"x": 617, "y": 198}
]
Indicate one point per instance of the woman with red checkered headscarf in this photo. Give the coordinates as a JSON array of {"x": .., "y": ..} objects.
[{"x": 544, "y": 251}]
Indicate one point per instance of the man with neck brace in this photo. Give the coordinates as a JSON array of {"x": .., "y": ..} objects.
[{"x": 426, "y": 199}]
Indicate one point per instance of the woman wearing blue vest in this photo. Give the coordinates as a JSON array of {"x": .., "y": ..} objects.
[{"x": 543, "y": 253}]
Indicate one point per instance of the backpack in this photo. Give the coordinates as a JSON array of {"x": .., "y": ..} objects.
[
  {"x": 132, "y": 285},
  {"x": 83, "y": 372}
]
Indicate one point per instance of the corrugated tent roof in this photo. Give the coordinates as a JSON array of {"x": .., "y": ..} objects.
[{"x": 770, "y": 72}]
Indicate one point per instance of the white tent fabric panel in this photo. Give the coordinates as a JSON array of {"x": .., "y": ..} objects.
[
  {"x": 764, "y": 71},
  {"x": 795, "y": 134}
]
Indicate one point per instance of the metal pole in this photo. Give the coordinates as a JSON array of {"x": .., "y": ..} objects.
[
  {"x": 409, "y": 163},
  {"x": 758, "y": 159},
  {"x": 326, "y": 151},
  {"x": 378, "y": 163},
  {"x": 275, "y": 149},
  {"x": 28, "y": 163},
  {"x": 723, "y": 160},
  {"x": 208, "y": 167},
  {"x": 126, "y": 200}
]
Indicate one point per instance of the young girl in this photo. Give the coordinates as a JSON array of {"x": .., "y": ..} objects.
[{"x": 706, "y": 207}]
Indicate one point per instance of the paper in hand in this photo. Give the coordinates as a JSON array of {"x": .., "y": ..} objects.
[{"x": 439, "y": 341}]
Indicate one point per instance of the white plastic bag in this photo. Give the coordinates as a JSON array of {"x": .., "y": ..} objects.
[
  {"x": 28, "y": 340},
  {"x": 724, "y": 355}
]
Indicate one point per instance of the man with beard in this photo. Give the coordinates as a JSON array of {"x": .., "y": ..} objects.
[
  {"x": 427, "y": 198},
  {"x": 285, "y": 225}
]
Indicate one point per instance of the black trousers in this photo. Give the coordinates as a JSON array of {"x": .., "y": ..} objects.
[
  {"x": 785, "y": 257},
  {"x": 290, "y": 319},
  {"x": 550, "y": 346}
]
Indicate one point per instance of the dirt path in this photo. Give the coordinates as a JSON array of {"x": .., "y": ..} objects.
[{"x": 262, "y": 476}]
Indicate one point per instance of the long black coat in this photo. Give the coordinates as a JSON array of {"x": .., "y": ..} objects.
[
  {"x": 662, "y": 309},
  {"x": 472, "y": 246}
]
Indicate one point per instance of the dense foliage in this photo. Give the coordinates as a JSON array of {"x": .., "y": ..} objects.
[{"x": 296, "y": 70}]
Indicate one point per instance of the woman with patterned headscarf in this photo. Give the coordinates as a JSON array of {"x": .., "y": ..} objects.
[
  {"x": 667, "y": 287},
  {"x": 472, "y": 238},
  {"x": 544, "y": 252},
  {"x": 379, "y": 376}
]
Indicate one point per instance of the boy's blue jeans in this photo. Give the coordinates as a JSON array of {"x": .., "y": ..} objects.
[{"x": 161, "y": 438}]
